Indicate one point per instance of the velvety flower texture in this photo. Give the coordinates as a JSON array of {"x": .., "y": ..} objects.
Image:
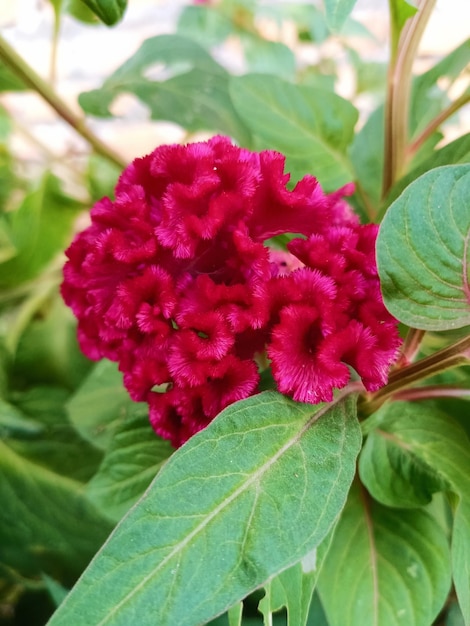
[{"x": 173, "y": 280}]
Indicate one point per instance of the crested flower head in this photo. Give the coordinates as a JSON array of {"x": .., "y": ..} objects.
[{"x": 174, "y": 281}]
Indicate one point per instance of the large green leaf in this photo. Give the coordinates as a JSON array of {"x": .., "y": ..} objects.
[
  {"x": 131, "y": 462},
  {"x": 312, "y": 127},
  {"x": 386, "y": 567},
  {"x": 187, "y": 87},
  {"x": 45, "y": 520},
  {"x": 423, "y": 251},
  {"x": 337, "y": 12},
  {"x": 245, "y": 498},
  {"x": 38, "y": 230},
  {"x": 442, "y": 447}
]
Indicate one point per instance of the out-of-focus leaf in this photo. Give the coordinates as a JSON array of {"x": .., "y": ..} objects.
[
  {"x": 54, "y": 444},
  {"x": 38, "y": 229},
  {"x": 101, "y": 177},
  {"x": 100, "y": 404},
  {"x": 205, "y": 25},
  {"x": 385, "y": 567},
  {"x": 188, "y": 87},
  {"x": 337, "y": 12},
  {"x": 46, "y": 523},
  {"x": 313, "y": 128},
  {"x": 9, "y": 81},
  {"x": 269, "y": 57},
  {"x": 132, "y": 460},
  {"x": 47, "y": 351}
]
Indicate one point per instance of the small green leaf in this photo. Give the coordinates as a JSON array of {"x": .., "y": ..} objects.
[
  {"x": 45, "y": 519},
  {"x": 293, "y": 588},
  {"x": 313, "y": 128},
  {"x": 394, "y": 475},
  {"x": 423, "y": 251},
  {"x": 247, "y": 497},
  {"x": 109, "y": 11},
  {"x": 100, "y": 404},
  {"x": 337, "y": 12},
  {"x": 386, "y": 567},
  {"x": 132, "y": 461}
]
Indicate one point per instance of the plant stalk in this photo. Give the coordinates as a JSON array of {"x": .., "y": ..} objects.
[
  {"x": 398, "y": 94},
  {"x": 32, "y": 80},
  {"x": 452, "y": 356}
]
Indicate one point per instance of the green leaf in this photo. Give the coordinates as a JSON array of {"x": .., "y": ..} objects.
[
  {"x": 45, "y": 520},
  {"x": 47, "y": 351},
  {"x": 313, "y": 128},
  {"x": 386, "y": 567},
  {"x": 100, "y": 404},
  {"x": 423, "y": 252},
  {"x": 394, "y": 475},
  {"x": 38, "y": 229},
  {"x": 53, "y": 443},
  {"x": 268, "y": 57},
  {"x": 337, "y": 11},
  {"x": 109, "y": 11},
  {"x": 195, "y": 95},
  {"x": 444, "y": 448},
  {"x": 205, "y": 25},
  {"x": 247, "y": 497},
  {"x": 9, "y": 81},
  {"x": 132, "y": 461},
  {"x": 366, "y": 155}
]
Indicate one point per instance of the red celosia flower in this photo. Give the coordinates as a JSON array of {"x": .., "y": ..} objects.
[{"x": 174, "y": 282}]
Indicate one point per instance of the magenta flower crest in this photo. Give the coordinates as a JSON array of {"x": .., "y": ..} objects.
[{"x": 174, "y": 281}]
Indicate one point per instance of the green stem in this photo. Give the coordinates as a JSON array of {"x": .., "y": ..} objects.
[
  {"x": 32, "y": 80},
  {"x": 452, "y": 356},
  {"x": 410, "y": 347},
  {"x": 398, "y": 94},
  {"x": 436, "y": 122}
]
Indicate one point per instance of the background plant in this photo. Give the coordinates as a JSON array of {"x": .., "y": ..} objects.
[{"x": 369, "y": 517}]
